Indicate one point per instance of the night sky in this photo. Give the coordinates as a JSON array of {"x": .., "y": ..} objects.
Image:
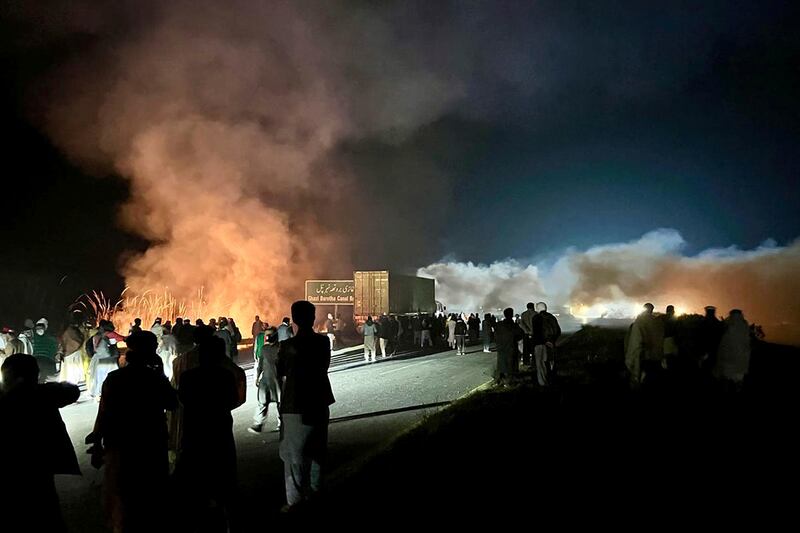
[{"x": 598, "y": 121}]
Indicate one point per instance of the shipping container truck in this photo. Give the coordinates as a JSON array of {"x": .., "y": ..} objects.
[{"x": 380, "y": 291}]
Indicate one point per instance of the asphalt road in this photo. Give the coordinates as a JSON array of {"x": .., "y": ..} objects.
[{"x": 359, "y": 425}]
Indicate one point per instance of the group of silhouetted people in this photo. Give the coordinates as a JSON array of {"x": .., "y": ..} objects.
[
  {"x": 717, "y": 349},
  {"x": 167, "y": 448}
]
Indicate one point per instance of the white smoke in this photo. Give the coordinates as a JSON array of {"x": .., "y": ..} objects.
[{"x": 616, "y": 279}]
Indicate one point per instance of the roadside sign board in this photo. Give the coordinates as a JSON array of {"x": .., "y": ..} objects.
[{"x": 330, "y": 291}]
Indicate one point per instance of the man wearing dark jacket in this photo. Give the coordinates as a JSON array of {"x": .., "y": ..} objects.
[
  {"x": 460, "y": 334},
  {"x": 206, "y": 469},
  {"x": 384, "y": 333},
  {"x": 36, "y": 446},
  {"x": 130, "y": 434},
  {"x": 546, "y": 332},
  {"x": 507, "y": 335},
  {"x": 302, "y": 365}
]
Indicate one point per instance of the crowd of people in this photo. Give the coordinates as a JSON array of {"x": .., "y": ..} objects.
[
  {"x": 164, "y": 416},
  {"x": 519, "y": 338},
  {"x": 153, "y": 432},
  {"x": 720, "y": 349}
]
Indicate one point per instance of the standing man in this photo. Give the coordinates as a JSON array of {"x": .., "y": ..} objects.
[
  {"x": 36, "y": 446},
  {"x": 26, "y": 337},
  {"x": 426, "y": 332},
  {"x": 130, "y": 437},
  {"x": 670, "y": 338},
  {"x": 285, "y": 331},
  {"x": 507, "y": 335},
  {"x": 733, "y": 356},
  {"x": 70, "y": 348},
  {"x": 329, "y": 329},
  {"x": 45, "y": 347},
  {"x": 710, "y": 335},
  {"x": 370, "y": 330},
  {"x": 526, "y": 323},
  {"x": 224, "y": 333},
  {"x": 546, "y": 332},
  {"x": 460, "y": 331},
  {"x": 136, "y": 327},
  {"x": 486, "y": 332},
  {"x": 206, "y": 469},
  {"x": 395, "y": 328},
  {"x": 416, "y": 326},
  {"x": 385, "y": 333},
  {"x": 303, "y": 363},
  {"x": 157, "y": 328},
  {"x": 644, "y": 348},
  {"x": 257, "y": 328}
]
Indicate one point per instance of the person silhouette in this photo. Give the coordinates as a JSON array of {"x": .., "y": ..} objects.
[
  {"x": 36, "y": 446},
  {"x": 206, "y": 468},
  {"x": 302, "y": 364},
  {"x": 130, "y": 438}
]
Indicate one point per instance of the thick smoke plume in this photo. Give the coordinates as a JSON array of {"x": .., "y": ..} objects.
[
  {"x": 226, "y": 118},
  {"x": 615, "y": 280}
]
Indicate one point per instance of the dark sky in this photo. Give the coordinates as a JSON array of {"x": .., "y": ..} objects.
[{"x": 582, "y": 123}]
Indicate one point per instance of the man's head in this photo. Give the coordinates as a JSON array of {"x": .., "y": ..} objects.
[
  {"x": 140, "y": 345},
  {"x": 40, "y": 328},
  {"x": 508, "y": 312},
  {"x": 137, "y": 322},
  {"x": 28, "y": 323},
  {"x": 303, "y": 314},
  {"x": 530, "y": 306},
  {"x": 19, "y": 370},
  {"x": 258, "y": 318},
  {"x": 178, "y": 320},
  {"x": 670, "y": 310},
  {"x": 202, "y": 333},
  {"x": 330, "y": 316},
  {"x": 541, "y": 307},
  {"x": 711, "y": 311},
  {"x": 648, "y": 308},
  {"x": 271, "y": 335},
  {"x": 158, "y": 320},
  {"x": 285, "y": 320},
  {"x": 211, "y": 351}
]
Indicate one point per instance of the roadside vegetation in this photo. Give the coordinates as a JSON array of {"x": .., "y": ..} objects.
[{"x": 586, "y": 450}]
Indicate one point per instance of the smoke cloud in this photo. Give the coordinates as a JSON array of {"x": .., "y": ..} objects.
[
  {"x": 615, "y": 280},
  {"x": 226, "y": 118}
]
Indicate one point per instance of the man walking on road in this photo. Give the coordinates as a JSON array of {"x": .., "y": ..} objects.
[
  {"x": 303, "y": 363},
  {"x": 268, "y": 388}
]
